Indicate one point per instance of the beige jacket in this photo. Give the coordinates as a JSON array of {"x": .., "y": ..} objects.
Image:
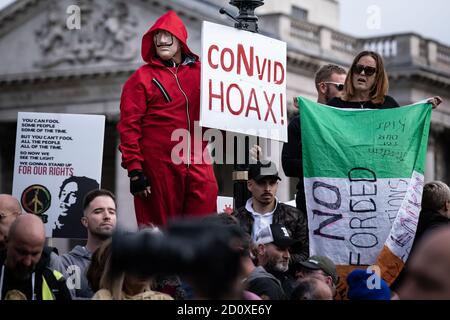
[{"x": 104, "y": 294}]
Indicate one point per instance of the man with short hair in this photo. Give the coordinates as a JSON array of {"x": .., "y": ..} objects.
[
  {"x": 318, "y": 267},
  {"x": 427, "y": 274},
  {"x": 9, "y": 210},
  {"x": 311, "y": 289},
  {"x": 435, "y": 213},
  {"x": 264, "y": 209},
  {"x": 23, "y": 276},
  {"x": 329, "y": 82},
  {"x": 99, "y": 218},
  {"x": 435, "y": 208}
]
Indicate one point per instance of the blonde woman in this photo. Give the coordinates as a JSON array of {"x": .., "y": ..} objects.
[{"x": 122, "y": 285}]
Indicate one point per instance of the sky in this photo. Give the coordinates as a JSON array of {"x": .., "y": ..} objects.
[
  {"x": 4, "y": 3},
  {"x": 428, "y": 18},
  {"x": 362, "y": 18}
]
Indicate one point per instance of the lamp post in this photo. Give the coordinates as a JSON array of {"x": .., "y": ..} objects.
[{"x": 246, "y": 20}]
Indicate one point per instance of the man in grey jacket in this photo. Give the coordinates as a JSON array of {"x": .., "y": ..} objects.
[{"x": 99, "y": 218}]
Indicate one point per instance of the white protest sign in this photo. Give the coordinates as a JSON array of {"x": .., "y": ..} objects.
[
  {"x": 225, "y": 204},
  {"x": 243, "y": 82},
  {"x": 58, "y": 160}
]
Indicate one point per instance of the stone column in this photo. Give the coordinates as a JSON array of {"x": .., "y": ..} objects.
[
  {"x": 408, "y": 49},
  {"x": 274, "y": 149},
  {"x": 325, "y": 39},
  {"x": 284, "y": 27},
  {"x": 430, "y": 159},
  {"x": 432, "y": 52},
  {"x": 126, "y": 217}
]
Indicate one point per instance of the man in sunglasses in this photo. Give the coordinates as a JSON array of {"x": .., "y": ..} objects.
[{"x": 329, "y": 81}]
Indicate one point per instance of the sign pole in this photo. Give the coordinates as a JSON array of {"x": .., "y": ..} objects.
[{"x": 246, "y": 20}]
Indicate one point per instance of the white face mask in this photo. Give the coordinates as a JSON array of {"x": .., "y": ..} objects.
[
  {"x": 163, "y": 38},
  {"x": 167, "y": 46}
]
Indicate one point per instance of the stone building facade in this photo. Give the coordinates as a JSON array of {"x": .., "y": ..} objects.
[{"x": 46, "y": 67}]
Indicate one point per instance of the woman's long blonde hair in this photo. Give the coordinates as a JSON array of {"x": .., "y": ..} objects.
[{"x": 112, "y": 281}]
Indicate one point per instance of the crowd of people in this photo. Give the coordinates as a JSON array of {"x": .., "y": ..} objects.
[
  {"x": 215, "y": 257},
  {"x": 260, "y": 251}
]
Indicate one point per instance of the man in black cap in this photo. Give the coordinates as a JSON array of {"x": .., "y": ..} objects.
[
  {"x": 320, "y": 268},
  {"x": 264, "y": 209},
  {"x": 271, "y": 248},
  {"x": 273, "y": 243}
]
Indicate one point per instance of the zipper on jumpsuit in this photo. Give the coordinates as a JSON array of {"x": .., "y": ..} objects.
[{"x": 187, "y": 113}]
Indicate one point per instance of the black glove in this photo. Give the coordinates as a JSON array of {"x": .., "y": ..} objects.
[{"x": 138, "y": 181}]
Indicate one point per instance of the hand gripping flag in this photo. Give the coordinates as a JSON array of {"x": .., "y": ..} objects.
[{"x": 364, "y": 175}]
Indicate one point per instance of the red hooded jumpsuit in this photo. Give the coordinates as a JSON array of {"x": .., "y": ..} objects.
[{"x": 156, "y": 100}]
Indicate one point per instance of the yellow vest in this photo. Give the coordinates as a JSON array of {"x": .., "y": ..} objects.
[{"x": 47, "y": 293}]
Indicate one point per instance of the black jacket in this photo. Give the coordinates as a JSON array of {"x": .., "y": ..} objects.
[
  {"x": 388, "y": 103},
  {"x": 291, "y": 160},
  {"x": 428, "y": 220},
  {"x": 42, "y": 271}
]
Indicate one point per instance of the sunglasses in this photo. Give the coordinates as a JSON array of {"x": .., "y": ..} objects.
[
  {"x": 339, "y": 86},
  {"x": 368, "y": 71}
]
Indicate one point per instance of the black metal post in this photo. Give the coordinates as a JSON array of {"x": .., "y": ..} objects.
[{"x": 246, "y": 20}]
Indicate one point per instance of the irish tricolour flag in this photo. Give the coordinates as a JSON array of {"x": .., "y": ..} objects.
[{"x": 364, "y": 175}]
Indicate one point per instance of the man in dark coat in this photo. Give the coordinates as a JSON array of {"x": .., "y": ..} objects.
[{"x": 264, "y": 209}]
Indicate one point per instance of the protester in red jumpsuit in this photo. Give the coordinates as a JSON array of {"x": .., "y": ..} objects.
[{"x": 159, "y": 98}]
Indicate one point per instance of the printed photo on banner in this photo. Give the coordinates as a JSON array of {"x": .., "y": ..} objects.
[{"x": 58, "y": 160}]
